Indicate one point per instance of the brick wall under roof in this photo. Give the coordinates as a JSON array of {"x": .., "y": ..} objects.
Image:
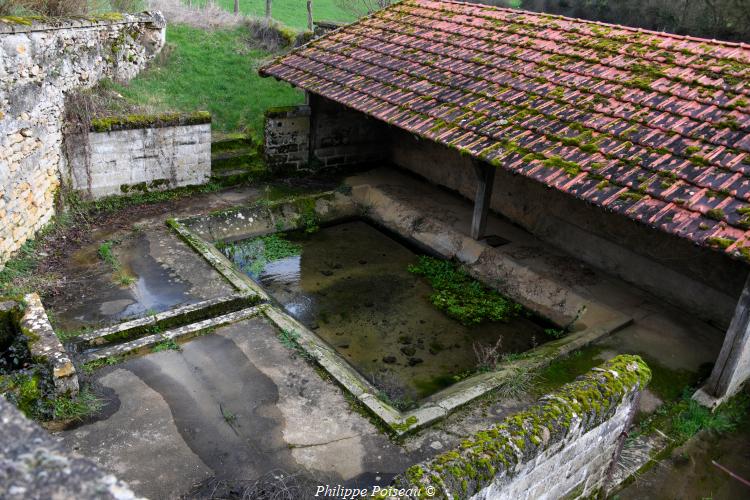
[{"x": 651, "y": 125}]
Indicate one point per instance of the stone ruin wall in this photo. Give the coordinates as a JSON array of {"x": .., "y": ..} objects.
[{"x": 39, "y": 63}]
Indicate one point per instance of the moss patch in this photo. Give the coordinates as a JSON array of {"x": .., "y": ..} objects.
[{"x": 111, "y": 123}]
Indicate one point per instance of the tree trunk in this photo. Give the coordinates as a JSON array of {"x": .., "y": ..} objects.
[
  {"x": 236, "y": 7},
  {"x": 309, "y": 16},
  {"x": 268, "y": 9}
]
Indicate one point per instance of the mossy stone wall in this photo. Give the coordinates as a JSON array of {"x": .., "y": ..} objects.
[
  {"x": 561, "y": 446},
  {"x": 320, "y": 135},
  {"x": 40, "y": 61},
  {"x": 141, "y": 153}
]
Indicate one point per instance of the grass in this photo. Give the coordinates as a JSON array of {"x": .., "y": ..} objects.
[
  {"x": 91, "y": 366},
  {"x": 460, "y": 296},
  {"x": 120, "y": 276},
  {"x": 214, "y": 71},
  {"x": 521, "y": 383},
  {"x": 167, "y": 345},
  {"x": 684, "y": 418},
  {"x": 291, "y": 12},
  {"x": 20, "y": 274},
  {"x": 290, "y": 340},
  {"x": 86, "y": 403},
  {"x": 17, "y": 277}
]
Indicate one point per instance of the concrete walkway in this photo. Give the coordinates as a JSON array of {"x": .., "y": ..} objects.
[{"x": 235, "y": 404}]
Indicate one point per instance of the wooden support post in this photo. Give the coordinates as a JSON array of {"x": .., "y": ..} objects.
[
  {"x": 485, "y": 180},
  {"x": 732, "y": 366}
]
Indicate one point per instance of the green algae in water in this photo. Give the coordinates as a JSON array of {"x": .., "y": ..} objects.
[
  {"x": 253, "y": 255},
  {"x": 350, "y": 283},
  {"x": 460, "y": 296}
]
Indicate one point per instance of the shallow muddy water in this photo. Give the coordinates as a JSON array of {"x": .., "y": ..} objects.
[
  {"x": 351, "y": 285},
  {"x": 103, "y": 301}
]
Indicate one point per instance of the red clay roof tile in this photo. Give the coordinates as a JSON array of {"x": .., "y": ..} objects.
[{"x": 652, "y": 125}]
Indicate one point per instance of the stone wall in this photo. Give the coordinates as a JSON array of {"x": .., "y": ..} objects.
[
  {"x": 35, "y": 466},
  {"x": 141, "y": 153},
  {"x": 39, "y": 63},
  {"x": 561, "y": 447},
  {"x": 46, "y": 347},
  {"x": 287, "y": 138},
  {"x": 700, "y": 280},
  {"x": 321, "y": 135}
]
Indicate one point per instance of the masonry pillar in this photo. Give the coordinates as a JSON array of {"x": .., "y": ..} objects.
[{"x": 732, "y": 366}]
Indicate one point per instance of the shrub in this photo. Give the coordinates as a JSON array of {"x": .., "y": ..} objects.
[
  {"x": 52, "y": 8},
  {"x": 272, "y": 35}
]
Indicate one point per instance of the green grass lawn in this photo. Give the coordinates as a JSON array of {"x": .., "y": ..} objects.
[
  {"x": 215, "y": 71},
  {"x": 293, "y": 13}
]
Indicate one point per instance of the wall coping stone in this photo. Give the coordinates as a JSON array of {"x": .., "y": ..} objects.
[
  {"x": 132, "y": 122},
  {"x": 27, "y": 24},
  {"x": 44, "y": 345},
  {"x": 288, "y": 111}
]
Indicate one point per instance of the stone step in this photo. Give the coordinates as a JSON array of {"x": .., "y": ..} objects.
[
  {"x": 183, "y": 314},
  {"x": 232, "y": 144},
  {"x": 174, "y": 334},
  {"x": 243, "y": 160},
  {"x": 234, "y": 153}
]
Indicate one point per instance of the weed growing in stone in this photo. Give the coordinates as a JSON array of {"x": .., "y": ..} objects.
[
  {"x": 290, "y": 340},
  {"x": 31, "y": 391},
  {"x": 77, "y": 408},
  {"x": 488, "y": 356},
  {"x": 460, "y": 296},
  {"x": 91, "y": 366},
  {"x": 519, "y": 384},
  {"x": 167, "y": 345},
  {"x": 229, "y": 417}
]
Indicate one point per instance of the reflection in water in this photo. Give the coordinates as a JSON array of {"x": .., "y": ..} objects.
[
  {"x": 155, "y": 289},
  {"x": 351, "y": 285}
]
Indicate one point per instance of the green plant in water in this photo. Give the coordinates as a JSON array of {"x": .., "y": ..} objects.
[
  {"x": 120, "y": 276},
  {"x": 253, "y": 255},
  {"x": 460, "y": 296}
]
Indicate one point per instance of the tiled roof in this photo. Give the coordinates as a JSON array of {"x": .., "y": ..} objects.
[{"x": 651, "y": 125}]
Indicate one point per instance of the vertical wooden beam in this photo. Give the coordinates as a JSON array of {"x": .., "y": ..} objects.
[
  {"x": 733, "y": 364},
  {"x": 485, "y": 181}
]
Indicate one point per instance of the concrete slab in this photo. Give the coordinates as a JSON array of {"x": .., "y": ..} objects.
[
  {"x": 140, "y": 441},
  {"x": 235, "y": 405}
]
